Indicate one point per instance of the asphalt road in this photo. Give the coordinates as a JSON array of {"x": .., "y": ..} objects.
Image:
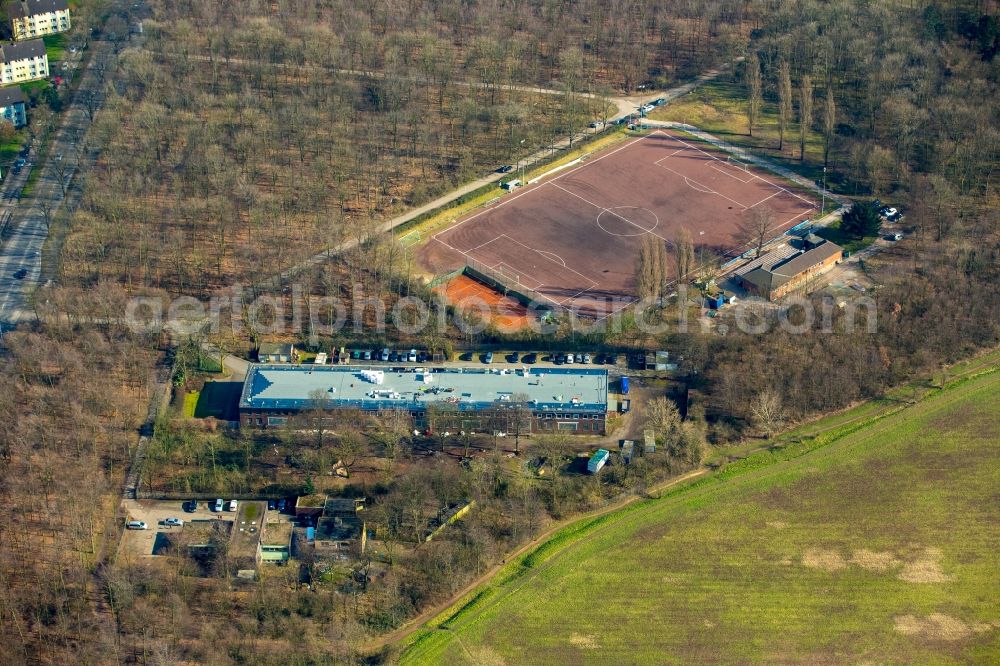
[{"x": 27, "y": 228}]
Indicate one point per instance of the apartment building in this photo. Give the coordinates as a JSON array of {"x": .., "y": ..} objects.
[
  {"x": 13, "y": 107},
  {"x": 23, "y": 61},
  {"x": 34, "y": 18}
]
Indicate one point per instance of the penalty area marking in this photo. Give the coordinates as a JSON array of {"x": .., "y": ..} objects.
[{"x": 553, "y": 256}]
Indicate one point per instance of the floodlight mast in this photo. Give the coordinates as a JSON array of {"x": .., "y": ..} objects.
[{"x": 822, "y": 211}]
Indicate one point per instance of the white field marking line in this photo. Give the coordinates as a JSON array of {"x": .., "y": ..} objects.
[
  {"x": 555, "y": 256},
  {"x": 530, "y": 190},
  {"x": 520, "y": 276},
  {"x": 449, "y": 246},
  {"x": 690, "y": 182},
  {"x": 608, "y": 210},
  {"x": 734, "y": 177},
  {"x": 616, "y": 235},
  {"x": 763, "y": 180},
  {"x": 570, "y": 298},
  {"x": 706, "y": 190},
  {"x": 495, "y": 238},
  {"x": 592, "y": 281},
  {"x": 764, "y": 199},
  {"x": 592, "y": 162},
  {"x": 614, "y": 312},
  {"x": 667, "y": 157},
  {"x": 535, "y": 189}
]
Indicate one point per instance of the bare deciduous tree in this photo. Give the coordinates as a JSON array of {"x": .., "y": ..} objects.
[
  {"x": 805, "y": 113},
  {"x": 768, "y": 411},
  {"x": 756, "y": 227},
  {"x": 754, "y": 90},
  {"x": 684, "y": 254},
  {"x": 784, "y": 102}
]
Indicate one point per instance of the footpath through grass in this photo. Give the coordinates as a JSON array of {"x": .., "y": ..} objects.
[{"x": 869, "y": 538}]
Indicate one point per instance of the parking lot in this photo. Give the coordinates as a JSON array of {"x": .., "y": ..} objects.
[{"x": 153, "y": 513}]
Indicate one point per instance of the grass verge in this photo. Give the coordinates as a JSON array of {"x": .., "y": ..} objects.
[{"x": 55, "y": 47}]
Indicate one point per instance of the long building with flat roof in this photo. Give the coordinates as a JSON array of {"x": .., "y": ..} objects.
[{"x": 557, "y": 399}]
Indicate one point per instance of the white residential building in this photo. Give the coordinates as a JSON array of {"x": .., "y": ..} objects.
[
  {"x": 23, "y": 61},
  {"x": 34, "y": 18}
]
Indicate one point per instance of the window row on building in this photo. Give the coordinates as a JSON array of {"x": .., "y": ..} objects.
[{"x": 30, "y": 19}]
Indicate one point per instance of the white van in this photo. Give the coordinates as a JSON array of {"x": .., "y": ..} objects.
[
  {"x": 232, "y": 505},
  {"x": 511, "y": 185}
]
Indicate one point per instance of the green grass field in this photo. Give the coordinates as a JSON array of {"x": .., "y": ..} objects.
[
  {"x": 55, "y": 47},
  {"x": 872, "y": 542}
]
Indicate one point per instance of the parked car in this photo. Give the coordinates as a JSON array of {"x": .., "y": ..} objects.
[
  {"x": 217, "y": 505},
  {"x": 173, "y": 522},
  {"x": 412, "y": 356},
  {"x": 570, "y": 359},
  {"x": 281, "y": 505},
  {"x": 384, "y": 356},
  {"x": 232, "y": 505},
  {"x": 897, "y": 236},
  {"x": 190, "y": 506},
  {"x": 560, "y": 359},
  {"x": 20, "y": 162},
  {"x": 513, "y": 357},
  {"x": 586, "y": 358},
  {"x": 20, "y": 274},
  {"x": 270, "y": 505},
  {"x": 659, "y": 101},
  {"x": 597, "y": 124},
  {"x": 393, "y": 356},
  {"x": 506, "y": 168},
  {"x": 366, "y": 355},
  {"x": 489, "y": 357},
  {"x": 422, "y": 357},
  {"x": 355, "y": 354},
  {"x": 136, "y": 525},
  {"x": 530, "y": 358}
]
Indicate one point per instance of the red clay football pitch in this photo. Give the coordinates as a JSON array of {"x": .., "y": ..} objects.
[{"x": 573, "y": 240}]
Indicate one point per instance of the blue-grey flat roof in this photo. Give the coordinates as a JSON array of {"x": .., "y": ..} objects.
[{"x": 295, "y": 387}]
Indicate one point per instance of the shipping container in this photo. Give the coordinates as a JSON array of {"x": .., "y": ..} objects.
[{"x": 597, "y": 461}]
